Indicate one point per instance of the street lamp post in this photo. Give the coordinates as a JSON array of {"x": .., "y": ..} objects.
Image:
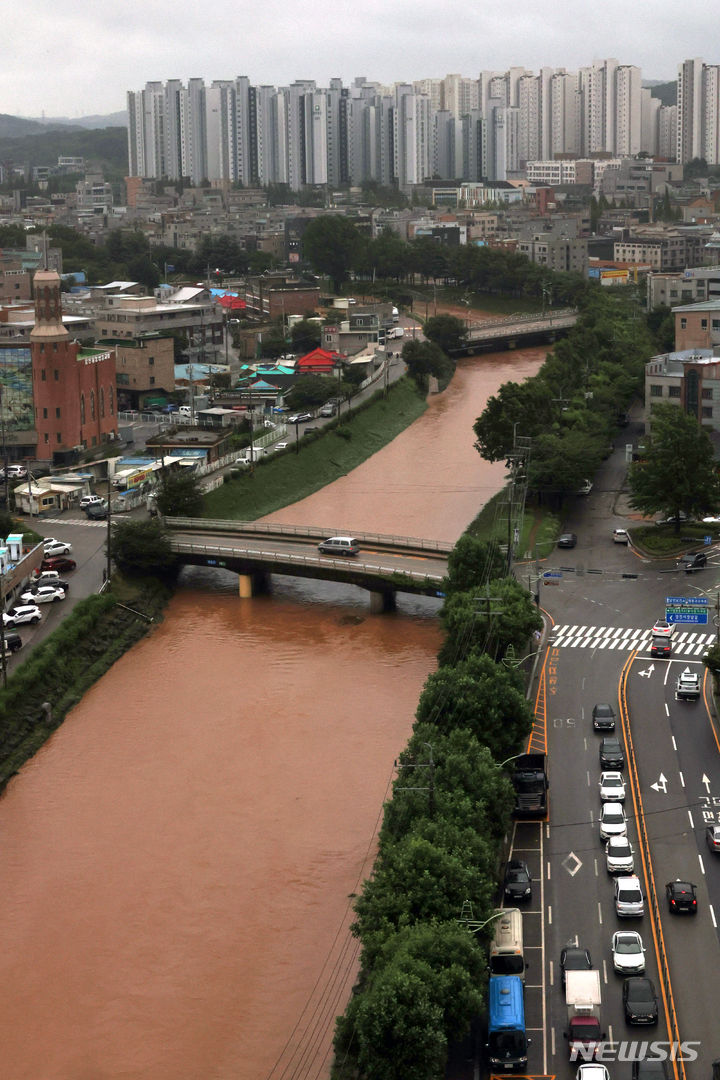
[{"x": 473, "y": 926}]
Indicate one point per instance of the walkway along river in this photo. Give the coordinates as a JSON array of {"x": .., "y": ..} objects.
[{"x": 177, "y": 861}]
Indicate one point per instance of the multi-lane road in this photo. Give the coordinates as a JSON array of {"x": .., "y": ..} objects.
[{"x": 598, "y": 650}]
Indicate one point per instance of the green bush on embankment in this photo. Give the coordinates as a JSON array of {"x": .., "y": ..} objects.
[
  {"x": 59, "y": 671},
  {"x": 288, "y": 476}
]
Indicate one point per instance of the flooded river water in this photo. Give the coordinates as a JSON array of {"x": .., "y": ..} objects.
[{"x": 176, "y": 863}]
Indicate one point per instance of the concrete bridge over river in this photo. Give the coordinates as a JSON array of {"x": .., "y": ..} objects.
[
  {"x": 385, "y": 565},
  {"x": 518, "y": 330}
]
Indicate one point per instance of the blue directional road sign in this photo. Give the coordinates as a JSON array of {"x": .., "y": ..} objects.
[{"x": 689, "y": 610}]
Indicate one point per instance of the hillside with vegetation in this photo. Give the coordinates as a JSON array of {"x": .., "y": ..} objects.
[{"x": 29, "y": 142}]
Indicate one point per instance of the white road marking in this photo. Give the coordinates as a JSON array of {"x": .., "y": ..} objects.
[
  {"x": 692, "y": 823},
  {"x": 596, "y": 867},
  {"x": 587, "y": 773},
  {"x": 605, "y": 978},
  {"x": 552, "y": 973},
  {"x": 599, "y": 913},
  {"x": 549, "y": 914},
  {"x": 542, "y": 955},
  {"x": 552, "y": 1041},
  {"x": 702, "y": 865},
  {"x": 682, "y": 779},
  {"x": 548, "y": 875},
  {"x": 610, "y": 1034},
  {"x": 712, "y": 916},
  {"x": 672, "y": 736}
]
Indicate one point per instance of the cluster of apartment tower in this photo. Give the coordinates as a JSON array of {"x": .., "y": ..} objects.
[{"x": 452, "y": 128}]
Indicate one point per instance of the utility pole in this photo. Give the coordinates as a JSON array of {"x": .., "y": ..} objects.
[
  {"x": 430, "y": 788},
  {"x": 491, "y": 611},
  {"x": 108, "y": 564},
  {"x": 6, "y": 479},
  {"x": 517, "y": 463}
]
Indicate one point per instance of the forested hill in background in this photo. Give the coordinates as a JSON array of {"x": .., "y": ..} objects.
[
  {"x": 667, "y": 92},
  {"x": 40, "y": 143}
]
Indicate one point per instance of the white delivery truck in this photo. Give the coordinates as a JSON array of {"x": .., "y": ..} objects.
[{"x": 584, "y": 1022}]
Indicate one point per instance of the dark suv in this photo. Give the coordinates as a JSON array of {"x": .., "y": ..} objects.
[
  {"x": 640, "y": 1001},
  {"x": 13, "y": 642},
  {"x": 611, "y": 753},
  {"x": 693, "y": 562},
  {"x": 603, "y": 718}
]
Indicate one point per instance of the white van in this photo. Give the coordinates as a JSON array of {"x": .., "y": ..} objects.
[
  {"x": 339, "y": 545},
  {"x": 185, "y": 410},
  {"x": 506, "y": 950}
]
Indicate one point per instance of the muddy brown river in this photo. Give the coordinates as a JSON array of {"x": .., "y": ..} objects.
[{"x": 176, "y": 863}]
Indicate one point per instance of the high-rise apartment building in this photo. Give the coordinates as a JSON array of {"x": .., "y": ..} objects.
[{"x": 456, "y": 127}]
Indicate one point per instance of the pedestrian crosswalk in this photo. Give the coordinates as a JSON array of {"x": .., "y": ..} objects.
[
  {"x": 625, "y": 639},
  {"x": 76, "y": 521}
]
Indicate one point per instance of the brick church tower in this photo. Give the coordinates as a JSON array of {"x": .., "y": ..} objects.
[{"x": 73, "y": 388}]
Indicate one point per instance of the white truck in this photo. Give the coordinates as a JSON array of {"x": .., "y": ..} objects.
[
  {"x": 687, "y": 686},
  {"x": 584, "y": 1022}
]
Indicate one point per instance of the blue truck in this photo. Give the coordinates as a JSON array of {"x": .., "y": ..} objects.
[{"x": 507, "y": 1043}]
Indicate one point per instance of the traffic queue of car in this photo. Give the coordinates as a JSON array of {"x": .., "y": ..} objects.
[{"x": 627, "y": 948}]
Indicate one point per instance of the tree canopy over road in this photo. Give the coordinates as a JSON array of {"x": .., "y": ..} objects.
[{"x": 678, "y": 473}]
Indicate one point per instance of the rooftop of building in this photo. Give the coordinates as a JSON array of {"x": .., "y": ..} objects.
[
  {"x": 702, "y": 305},
  {"x": 673, "y": 363}
]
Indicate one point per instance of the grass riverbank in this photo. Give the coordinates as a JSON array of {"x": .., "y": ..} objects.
[
  {"x": 287, "y": 477},
  {"x": 59, "y": 671}
]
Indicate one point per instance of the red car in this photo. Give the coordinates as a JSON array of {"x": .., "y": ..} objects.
[{"x": 58, "y": 562}]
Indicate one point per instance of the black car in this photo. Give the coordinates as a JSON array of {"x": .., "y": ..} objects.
[
  {"x": 681, "y": 896},
  {"x": 603, "y": 717},
  {"x": 518, "y": 883},
  {"x": 639, "y": 1001},
  {"x": 661, "y": 647},
  {"x": 573, "y": 958},
  {"x": 13, "y": 642},
  {"x": 693, "y": 562},
  {"x": 567, "y": 540},
  {"x": 650, "y": 1069},
  {"x": 611, "y": 753}
]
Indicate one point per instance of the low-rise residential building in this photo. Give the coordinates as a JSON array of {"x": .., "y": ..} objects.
[
  {"x": 186, "y": 311},
  {"x": 688, "y": 378},
  {"x": 666, "y": 248},
  {"x": 277, "y": 295},
  {"x": 557, "y": 253},
  {"x": 697, "y": 326},
  {"x": 691, "y": 286},
  {"x": 144, "y": 365}
]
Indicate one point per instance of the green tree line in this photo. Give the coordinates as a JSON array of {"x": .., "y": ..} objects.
[
  {"x": 571, "y": 409},
  {"x": 423, "y": 976}
]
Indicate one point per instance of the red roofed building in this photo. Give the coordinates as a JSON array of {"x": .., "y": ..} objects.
[{"x": 318, "y": 362}]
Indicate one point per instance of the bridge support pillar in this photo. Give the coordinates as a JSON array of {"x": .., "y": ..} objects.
[
  {"x": 382, "y": 600},
  {"x": 252, "y": 584}
]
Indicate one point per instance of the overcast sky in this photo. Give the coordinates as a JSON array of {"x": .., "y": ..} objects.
[{"x": 80, "y": 59}]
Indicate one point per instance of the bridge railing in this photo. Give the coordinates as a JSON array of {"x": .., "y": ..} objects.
[
  {"x": 510, "y": 320},
  {"x": 310, "y": 531},
  {"x": 391, "y": 573}
]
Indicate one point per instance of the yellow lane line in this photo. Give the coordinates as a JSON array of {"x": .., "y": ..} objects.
[{"x": 650, "y": 887}]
